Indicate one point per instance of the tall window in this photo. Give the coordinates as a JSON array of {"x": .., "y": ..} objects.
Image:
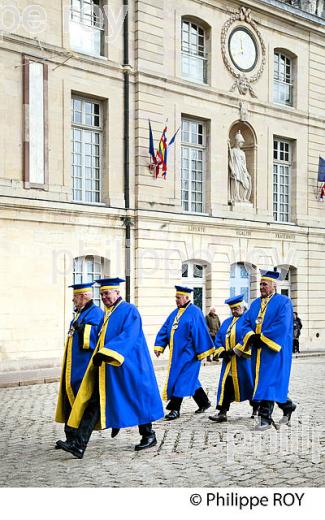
[
  {"x": 283, "y": 79},
  {"x": 87, "y": 27},
  {"x": 194, "y": 55},
  {"x": 281, "y": 180},
  {"x": 240, "y": 281},
  {"x": 87, "y": 269},
  {"x": 194, "y": 277},
  {"x": 86, "y": 150},
  {"x": 193, "y": 165}
]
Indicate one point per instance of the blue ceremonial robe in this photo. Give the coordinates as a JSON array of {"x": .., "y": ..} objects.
[
  {"x": 240, "y": 367},
  {"x": 128, "y": 390},
  {"x": 271, "y": 364},
  {"x": 186, "y": 333},
  {"x": 79, "y": 348}
]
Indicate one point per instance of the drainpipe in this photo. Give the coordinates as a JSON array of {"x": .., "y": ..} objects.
[{"x": 127, "y": 219}]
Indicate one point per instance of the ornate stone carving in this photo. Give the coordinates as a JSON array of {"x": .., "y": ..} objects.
[
  {"x": 243, "y": 111},
  {"x": 243, "y": 82}
]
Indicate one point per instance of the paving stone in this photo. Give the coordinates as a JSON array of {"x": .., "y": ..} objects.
[{"x": 191, "y": 451}]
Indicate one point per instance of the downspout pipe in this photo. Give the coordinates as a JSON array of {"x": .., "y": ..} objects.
[{"x": 127, "y": 220}]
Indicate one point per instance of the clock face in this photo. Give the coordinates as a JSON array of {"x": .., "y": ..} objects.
[{"x": 242, "y": 49}]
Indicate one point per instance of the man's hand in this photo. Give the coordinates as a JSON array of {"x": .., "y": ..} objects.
[
  {"x": 98, "y": 359},
  {"x": 79, "y": 327},
  {"x": 227, "y": 355},
  {"x": 255, "y": 340}
]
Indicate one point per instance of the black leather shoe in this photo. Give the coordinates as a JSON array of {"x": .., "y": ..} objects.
[
  {"x": 114, "y": 432},
  {"x": 203, "y": 408},
  {"x": 287, "y": 415},
  {"x": 146, "y": 442},
  {"x": 173, "y": 414},
  {"x": 218, "y": 417},
  {"x": 58, "y": 445},
  {"x": 71, "y": 447}
]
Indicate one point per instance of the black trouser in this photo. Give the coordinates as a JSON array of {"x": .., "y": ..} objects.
[
  {"x": 200, "y": 397},
  {"x": 266, "y": 408},
  {"x": 255, "y": 405},
  {"x": 228, "y": 395},
  {"x": 295, "y": 345},
  {"x": 90, "y": 418}
]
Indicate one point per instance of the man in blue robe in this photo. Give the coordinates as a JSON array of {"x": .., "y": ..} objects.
[
  {"x": 236, "y": 381},
  {"x": 80, "y": 344},
  {"x": 186, "y": 333},
  {"x": 119, "y": 388},
  {"x": 267, "y": 330}
]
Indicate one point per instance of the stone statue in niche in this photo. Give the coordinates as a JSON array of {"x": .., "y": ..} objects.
[{"x": 240, "y": 179}]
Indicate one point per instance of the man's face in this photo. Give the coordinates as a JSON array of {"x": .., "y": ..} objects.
[
  {"x": 181, "y": 299},
  {"x": 80, "y": 299},
  {"x": 267, "y": 288},
  {"x": 237, "y": 311},
  {"x": 109, "y": 297}
]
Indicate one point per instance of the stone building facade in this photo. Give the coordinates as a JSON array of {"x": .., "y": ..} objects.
[{"x": 212, "y": 68}]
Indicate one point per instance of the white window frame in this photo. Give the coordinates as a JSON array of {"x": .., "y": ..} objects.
[
  {"x": 285, "y": 82},
  {"x": 187, "y": 148},
  {"x": 194, "y": 55},
  {"x": 83, "y": 127},
  {"x": 87, "y": 29},
  {"x": 195, "y": 282},
  {"x": 282, "y": 167},
  {"x": 82, "y": 274}
]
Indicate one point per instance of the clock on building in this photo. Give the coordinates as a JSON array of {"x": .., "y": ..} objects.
[{"x": 242, "y": 48}]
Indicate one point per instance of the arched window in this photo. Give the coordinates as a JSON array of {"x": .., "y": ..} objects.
[
  {"x": 194, "y": 275},
  {"x": 90, "y": 268},
  {"x": 283, "y": 78},
  {"x": 194, "y": 52}
]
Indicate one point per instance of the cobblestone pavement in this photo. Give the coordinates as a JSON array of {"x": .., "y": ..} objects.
[{"x": 191, "y": 452}]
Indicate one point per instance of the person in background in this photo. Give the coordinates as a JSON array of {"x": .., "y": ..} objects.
[
  {"x": 297, "y": 326},
  {"x": 213, "y": 324}
]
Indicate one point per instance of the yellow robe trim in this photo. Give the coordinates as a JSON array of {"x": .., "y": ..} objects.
[
  {"x": 171, "y": 346},
  {"x": 88, "y": 383},
  {"x": 218, "y": 351},
  {"x": 244, "y": 351},
  {"x": 59, "y": 413},
  {"x": 205, "y": 354},
  {"x": 66, "y": 377},
  {"x": 87, "y": 332},
  {"x": 232, "y": 363},
  {"x": 118, "y": 359},
  {"x": 257, "y": 370},
  {"x": 271, "y": 344},
  {"x": 235, "y": 377},
  {"x": 159, "y": 349},
  {"x": 102, "y": 394},
  {"x": 225, "y": 375},
  {"x": 247, "y": 336}
]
